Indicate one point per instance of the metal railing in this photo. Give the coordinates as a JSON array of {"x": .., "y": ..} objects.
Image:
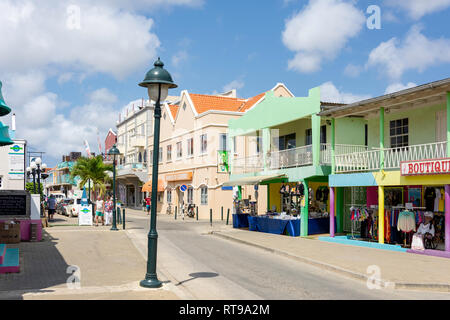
[
  {"x": 248, "y": 164},
  {"x": 358, "y": 161},
  {"x": 370, "y": 160},
  {"x": 394, "y": 156},
  {"x": 291, "y": 158}
]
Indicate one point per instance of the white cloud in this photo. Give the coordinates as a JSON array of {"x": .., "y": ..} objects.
[
  {"x": 416, "y": 9},
  {"x": 329, "y": 93},
  {"x": 415, "y": 52},
  {"x": 352, "y": 70},
  {"x": 103, "y": 96},
  {"x": 235, "y": 84},
  {"x": 395, "y": 87},
  {"x": 36, "y": 36},
  {"x": 320, "y": 31},
  {"x": 179, "y": 57},
  {"x": 65, "y": 77}
]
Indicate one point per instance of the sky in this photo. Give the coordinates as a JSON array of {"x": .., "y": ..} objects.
[{"x": 69, "y": 67}]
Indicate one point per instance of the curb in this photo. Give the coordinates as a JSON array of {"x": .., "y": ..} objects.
[{"x": 345, "y": 272}]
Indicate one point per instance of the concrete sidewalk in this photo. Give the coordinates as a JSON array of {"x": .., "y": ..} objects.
[
  {"x": 110, "y": 267},
  {"x": 397, "y": 269}
]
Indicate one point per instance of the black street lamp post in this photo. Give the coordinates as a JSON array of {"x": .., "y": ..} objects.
[
  {"x": 114, "y": 152},
  {"x": 158, "y": 82},
  {"x": 36, "y": 168}
]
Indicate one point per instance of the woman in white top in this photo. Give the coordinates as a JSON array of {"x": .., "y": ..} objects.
[{"x": 427, "y": 228}]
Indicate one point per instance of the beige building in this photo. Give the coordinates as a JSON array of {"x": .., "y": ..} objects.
[{"x": 193, "y": 131}]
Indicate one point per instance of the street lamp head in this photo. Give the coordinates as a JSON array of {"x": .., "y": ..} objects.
[
  {"x": 33, "y": 165},
  {"x": 114, "y": 151},
  {"x": 44, "y": 166},
  {"x": 156, "y": 77},
  {"x": 28, "y": 169},
  {"x": 38, "y": 161}
]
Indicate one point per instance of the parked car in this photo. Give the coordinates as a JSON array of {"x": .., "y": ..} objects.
[
  {"x": 60, "y": 206},
  {"x": 73, "y": 209}
]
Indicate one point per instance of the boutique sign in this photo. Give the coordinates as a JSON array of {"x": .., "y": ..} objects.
[{"x": 425, "y": 167}]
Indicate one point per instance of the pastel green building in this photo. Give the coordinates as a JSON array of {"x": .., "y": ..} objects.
[{"x": 294, "y": 145}]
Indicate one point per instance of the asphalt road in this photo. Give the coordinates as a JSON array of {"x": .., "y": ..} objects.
[{"x": 203, "y": 266}]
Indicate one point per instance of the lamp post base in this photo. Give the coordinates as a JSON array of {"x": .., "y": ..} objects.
[
  {"x": 151, "y": 283},
  {"x": 114, "y": 229}
]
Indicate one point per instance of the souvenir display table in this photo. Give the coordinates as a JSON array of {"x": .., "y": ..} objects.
[
  {"x": 289, "y": 225},
  {"x": 240, "y": 221}
]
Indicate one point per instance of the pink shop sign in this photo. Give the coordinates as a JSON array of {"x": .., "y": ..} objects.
[{"x": 425, "y": 167}]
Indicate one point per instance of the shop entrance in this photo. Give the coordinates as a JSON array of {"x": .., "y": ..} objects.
[
  {"x": 353, "y": 197},
  {"x": 180, "y": 200}
]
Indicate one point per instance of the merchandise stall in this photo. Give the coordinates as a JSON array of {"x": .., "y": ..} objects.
[
  {"x": 405, "y": 210},
  {"x": 286, "y": 200}
]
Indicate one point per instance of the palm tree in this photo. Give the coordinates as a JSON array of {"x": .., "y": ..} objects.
[{"x": 92, "y": 169}]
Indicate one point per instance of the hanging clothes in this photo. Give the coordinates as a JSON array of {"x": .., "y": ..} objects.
[
  {"x": 406, "y": 221},
  {"x": 442, "y": 201},
  {"x": 437, "y": 199},
  {"x": 387, "y": 228}
]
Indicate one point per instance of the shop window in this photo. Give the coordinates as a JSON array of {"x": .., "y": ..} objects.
[
  {"x": 160, "y": 155},
  {"x": 399, "y": 133},
  {"x": 204, "y": 195},
  {"x": 179, "y": 150},
  {"x": 190, "y": 195},
  {"x": 287, "y": 142},
  {"x": 190, "y": 147},
  {"x": 151, "y": 156},
  {"x": 203, "y": 143},
  {"x": 258, "y": 145},
  {"x": 323, "y": 134},
  {"x": 308, "y": 137},
  {"x": 169, "y": 196},
  {"x": 169, "y": 153},
  {"x": 223, "y": 142}
]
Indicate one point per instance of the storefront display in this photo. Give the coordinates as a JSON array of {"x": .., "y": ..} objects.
[{"x": 403, "y": 217}]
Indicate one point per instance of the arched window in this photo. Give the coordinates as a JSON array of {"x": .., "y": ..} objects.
[
  {"x": 140, "y": 157},
  {"x": 145, "y": 156}
]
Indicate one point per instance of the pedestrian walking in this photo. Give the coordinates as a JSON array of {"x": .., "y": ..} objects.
[
  {"x": 51, "y": 207},
  {"x": 99, "y": 211},
  {"x": 148, "y": 202},
  {"x": 108, "y": 211}
]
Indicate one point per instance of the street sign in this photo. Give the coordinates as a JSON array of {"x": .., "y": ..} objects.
[
  {"x": 183, "y": 188},
  {"x": 85, "y": 214}
]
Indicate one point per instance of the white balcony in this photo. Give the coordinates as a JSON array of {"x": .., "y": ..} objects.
[
  {"x": 248, "y": 164},
  {"x": 370, "y": 160},
  {"x": 301, "y": 156},
  {"x": 137, "y": 141}
]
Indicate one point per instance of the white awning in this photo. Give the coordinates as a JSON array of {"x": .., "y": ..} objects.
[{"x": 247, "y": 181}]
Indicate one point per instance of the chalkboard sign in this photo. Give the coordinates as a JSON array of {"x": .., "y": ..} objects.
[{"x": 14, "y": 204}]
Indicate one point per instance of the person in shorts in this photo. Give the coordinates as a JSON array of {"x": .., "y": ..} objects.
[
  {"x": 99, "y": 211},
  {"x": 148, "y": 202},
  {"x": 51, "y": 207}
]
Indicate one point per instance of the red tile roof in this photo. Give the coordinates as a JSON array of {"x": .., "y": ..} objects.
[
  {"x": 203, "y": 103},
  {"x": 174, "y": 110}
]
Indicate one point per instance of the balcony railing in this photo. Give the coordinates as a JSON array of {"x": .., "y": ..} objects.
[
  {"x": 139, "y": 166},
  {"x": 393, "y": 157},
  {"x": 291, "y": 158},
  {"x": 370, "y": 160},
  {"x": 248, "y": 164}
]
